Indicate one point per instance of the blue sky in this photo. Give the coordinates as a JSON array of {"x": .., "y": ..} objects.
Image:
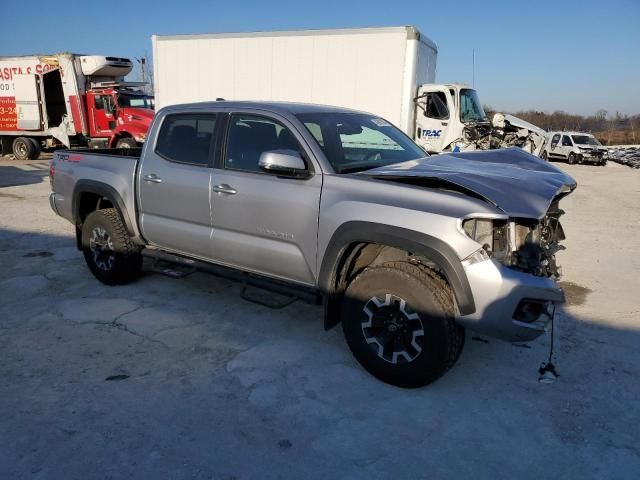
[{"x": 570, "y": 55}]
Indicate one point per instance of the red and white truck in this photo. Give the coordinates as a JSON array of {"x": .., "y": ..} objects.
[{"x": 71, "y": 100}]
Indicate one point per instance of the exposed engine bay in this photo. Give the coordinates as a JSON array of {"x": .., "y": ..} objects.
[
  {"x": 504, "y": 131},
  {"x": 522, "y": 244}
]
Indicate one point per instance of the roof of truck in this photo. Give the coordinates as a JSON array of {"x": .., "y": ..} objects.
[
  {"x": 276, "y": 107},
  {"x": 411, "y": 31},
  {"x": 570, "y": 133}
]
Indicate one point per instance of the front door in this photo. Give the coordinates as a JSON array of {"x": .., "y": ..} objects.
[
  {"x": 104, "y": 121},
  {"x": 262, "y": 222},
  {"x": 433, "y": 117},
  {"x": 174, "y": 185},
  {"x": 567, "y": 146}
]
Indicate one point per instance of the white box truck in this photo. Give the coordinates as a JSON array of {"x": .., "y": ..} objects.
[
  {"x": 386, "y": 71},
  {"x": 72, "y": 100}
]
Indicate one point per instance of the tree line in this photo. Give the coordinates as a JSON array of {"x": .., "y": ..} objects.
[{"x": 610, "y": 129}]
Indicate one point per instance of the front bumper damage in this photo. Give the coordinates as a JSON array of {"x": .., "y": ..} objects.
[
  {"x": 501, "y": 294},
  {"x": 594, "y": 157}
]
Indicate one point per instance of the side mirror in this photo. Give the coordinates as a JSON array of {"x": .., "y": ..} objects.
[{"x": 283, "y": 162}]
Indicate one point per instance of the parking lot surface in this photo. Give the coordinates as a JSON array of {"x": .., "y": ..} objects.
[{"x": 182, "y": 379}]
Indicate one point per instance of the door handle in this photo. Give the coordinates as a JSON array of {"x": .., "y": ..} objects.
[
  {"x": 224, "y": 188},
  {"x": 152, "y": 178}
]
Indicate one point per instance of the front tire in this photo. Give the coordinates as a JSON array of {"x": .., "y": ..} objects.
[
  {"x": 126, "y": 142},
  {"x": 108, "y": 250},
  {"x": 398, "y": 320}
]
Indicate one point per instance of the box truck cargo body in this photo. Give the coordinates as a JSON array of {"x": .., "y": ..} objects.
[
  {"x": 389, "y": 72},
  {"x": 68, "y": 99},
  {"x": 376, "y": 70}
]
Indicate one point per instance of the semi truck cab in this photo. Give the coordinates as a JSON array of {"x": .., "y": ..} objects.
[
  {"x": 118, "y": 116},
  {"x": 445, "y": 116}
]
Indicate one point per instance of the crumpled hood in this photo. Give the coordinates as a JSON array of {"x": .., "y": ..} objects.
[{"x": 518, "y": 183}]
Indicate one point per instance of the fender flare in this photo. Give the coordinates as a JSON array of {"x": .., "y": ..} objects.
[
  {"x": 415, "y": 242},
  {"x": 106, "y": 191}
]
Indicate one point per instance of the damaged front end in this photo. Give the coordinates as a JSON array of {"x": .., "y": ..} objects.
[
  {"x": 504, "y": 131},
  {"x": 522, "y": 244}
]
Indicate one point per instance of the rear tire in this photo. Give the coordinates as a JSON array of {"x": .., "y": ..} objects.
[
  {"x": 544, "y": 156},
  {"x": 37, "y": 149},
  {"x": 23, "y": 148},
  {"x": 398, "y": 320},
  {"x": 126, "y": 142},
  {"x": 108, "y": 250},
  {"x": 572, "y": 158}
]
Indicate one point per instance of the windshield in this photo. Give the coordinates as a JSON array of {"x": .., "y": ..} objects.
[
  {"x": 470, "y": 107},
  {"x": 353, "y": 142},
  {"x": 134, "y": 101},
  {"x": 585, "y": 140}
]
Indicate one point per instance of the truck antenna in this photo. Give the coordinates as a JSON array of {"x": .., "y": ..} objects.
[{"x": 473, "y": 68}]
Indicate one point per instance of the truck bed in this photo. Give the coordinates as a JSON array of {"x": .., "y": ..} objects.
[
  {"x": 120, "y": 152},
  {"x": 112, "y": 170}
]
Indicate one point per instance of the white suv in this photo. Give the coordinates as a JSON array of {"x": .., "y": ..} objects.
[{"x": 574, "y": 147}]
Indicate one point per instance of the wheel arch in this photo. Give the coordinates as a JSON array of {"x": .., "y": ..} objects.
[
  {"x": 88, "y": 192},
  {"x": 351, "y": 238}
]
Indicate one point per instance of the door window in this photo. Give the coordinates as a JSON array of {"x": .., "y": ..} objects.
[
  {"x": 436, "y": 106},
  {"x": 252, "y": 135},
  {"x": 186, "y": 138},
  {"x": 566, "y": 141}
]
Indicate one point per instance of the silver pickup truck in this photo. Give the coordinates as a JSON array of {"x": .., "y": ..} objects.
[{"x": 332, "y": 205}]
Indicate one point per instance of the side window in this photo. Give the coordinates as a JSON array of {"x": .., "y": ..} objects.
[
  {"x": 436, "y": 106},
  {"x": 555, "y": 140},
  {"x": 186, "y": 138},
  {"x": 316, "y": 131},
  {"x": 566, "y": 141},
  {"x": 251, "y": 135},
  {"x": 99, "y": 101}
]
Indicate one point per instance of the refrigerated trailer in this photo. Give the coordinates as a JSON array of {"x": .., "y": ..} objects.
[
  {"x": 71, "y": 100},
  {"x": 386, "y": 71}
]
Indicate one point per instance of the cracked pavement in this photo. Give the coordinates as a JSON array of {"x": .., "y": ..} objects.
[{"x": 182, "y": 379}]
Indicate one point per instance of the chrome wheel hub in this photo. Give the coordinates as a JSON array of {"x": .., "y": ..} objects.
[
  {"x": 102, "y": 250},
  {"x": 392, "y": 329}
]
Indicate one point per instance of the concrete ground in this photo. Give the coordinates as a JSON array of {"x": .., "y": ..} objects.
[{"x": 182, "y": 379}]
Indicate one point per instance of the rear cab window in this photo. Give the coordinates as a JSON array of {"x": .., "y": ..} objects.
[{"x": 187, "y": 138}]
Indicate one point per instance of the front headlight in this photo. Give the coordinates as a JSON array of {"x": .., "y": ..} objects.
[
  {"x": 490, "y": 233},
  {"x": 478, "y": 256}
]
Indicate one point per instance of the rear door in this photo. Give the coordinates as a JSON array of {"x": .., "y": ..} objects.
[
  {"x": 28, "y": 102},
  {"x": 174, "y": 184},
  {"x": 262, "y": 222}
]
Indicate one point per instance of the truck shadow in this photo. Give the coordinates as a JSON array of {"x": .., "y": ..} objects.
[
  {"x": 195, "y": 342},
  {"x": 28, "y": 173},
  {"x": 213, "y": 306}
]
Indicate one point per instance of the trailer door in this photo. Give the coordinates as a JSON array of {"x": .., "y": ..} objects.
[{"x": 28, "y": 106}]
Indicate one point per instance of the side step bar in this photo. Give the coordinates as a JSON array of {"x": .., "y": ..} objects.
[{"x": 308, "y": 294}]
